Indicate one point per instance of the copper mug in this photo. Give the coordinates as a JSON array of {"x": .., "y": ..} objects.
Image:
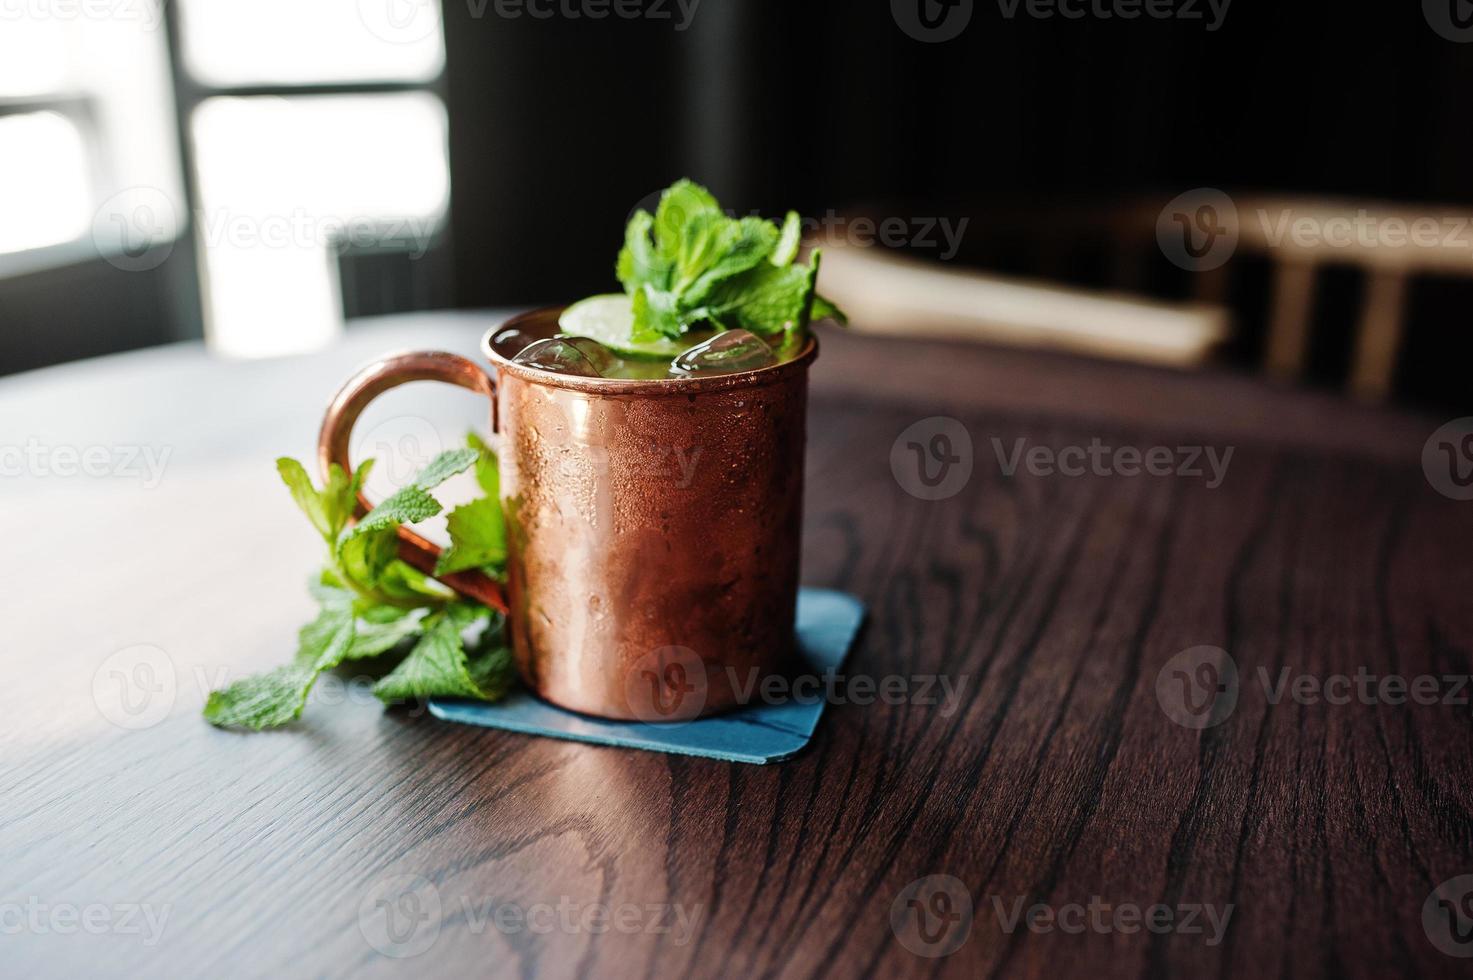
[{"x": 653, "y": 527}]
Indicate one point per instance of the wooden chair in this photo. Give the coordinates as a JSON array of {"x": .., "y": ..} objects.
[
  {"x": 1389, "y": 259},
  {"x": 1302, "y": 237},
  {"x": 888, "y": 292}
]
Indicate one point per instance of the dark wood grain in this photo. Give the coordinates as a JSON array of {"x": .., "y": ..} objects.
[{"x": 1052, "y": 601}]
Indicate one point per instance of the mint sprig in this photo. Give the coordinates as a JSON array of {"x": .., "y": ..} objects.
[
  {"x": 690, "y": 265},
  {"x": 438, "y": 665},
  {"x": 372, "y": 604}
]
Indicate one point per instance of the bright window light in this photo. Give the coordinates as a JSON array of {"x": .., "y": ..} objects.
[
  {"x": 231, "y": 42},
  {"x": 44, "y": 190},
  {"x": 33, "y": 55},
  {"x": 284, "y": 181},
  {"x": 108, "y": 157}
]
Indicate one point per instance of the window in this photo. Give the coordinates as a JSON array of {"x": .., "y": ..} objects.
[
  {"x": 44, "y": 185},
  {"x": 87, "y": 134},
  {"x": 314, "y": 127},
  {"x": 286, "y": 182},
  {"x": 279, "y": 134},
  {"x": 288, "y": 42}
]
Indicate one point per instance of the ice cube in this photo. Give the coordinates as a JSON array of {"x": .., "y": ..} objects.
[
  {"x": 604, "y": 361},
  {"x": 510, "y": 342},
  {"x": 557, "y": 355},
  {"x": 725, "y": 353}
]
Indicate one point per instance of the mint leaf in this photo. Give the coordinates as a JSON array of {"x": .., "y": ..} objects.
[
  {"x": 365, "y": 554},
  {"x": 690, "y": 266},
  {"x": 639, "y": 263},
  {"x": 444, "y": 466},
  {"x": 825, "y": 310},
  {"x": 490, "y": 661},
  {"x": 766, "y": 300},
  {"x": 320, "y": 637},
  {"x": 294, "y": 475},
  {"x": 276, "y": 698},
  {"x": 493, "y": 672},
  {"x": 437, "y": 666},
  {"x": 404, "y": 583},
  {"x": 656, "y": 315},
  {"x": 788, "y": 241},
  {"x": 488, "y": 469},
  {"x": 745, "y": 245},
  {"x": 407, "y": 505},
  {"x": 371, "y": 601},
  {"x": 371, "y": 639},
  {"x": 367, "y": 551},
  {"x": 328, "y": 589},
  {"x": 477, "y": 537},
  {"x": 705, "y": 238},
  {"x": 375, "y": 613},
  {"x": 263, "y": 700},
  {"x": 685, "y": 209},
  {"x": 330, "y": 508},
  {"x": 342, "y": 492}
]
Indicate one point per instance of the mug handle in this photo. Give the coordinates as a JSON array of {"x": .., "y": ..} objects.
[{"x": 337, "y": 431}]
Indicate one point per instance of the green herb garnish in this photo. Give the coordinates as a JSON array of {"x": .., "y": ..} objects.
[
  {"x": 690, "y": 266},
  {"x": 372, "y": 604}
]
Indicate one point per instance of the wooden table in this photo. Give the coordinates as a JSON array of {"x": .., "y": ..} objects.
[{"x": 1052, "y": 602}]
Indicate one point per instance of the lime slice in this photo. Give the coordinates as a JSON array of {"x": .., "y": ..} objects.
[{"x": 609, "y": 320}]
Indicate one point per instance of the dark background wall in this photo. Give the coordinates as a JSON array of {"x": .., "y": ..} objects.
[
  {"x": 559, "y": 127},
  {"x": 92, "y": 307}
]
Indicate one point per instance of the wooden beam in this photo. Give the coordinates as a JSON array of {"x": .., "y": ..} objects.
[
  {"x": 1379, "y": 334},
  {"x": 1288, "y": 330}
]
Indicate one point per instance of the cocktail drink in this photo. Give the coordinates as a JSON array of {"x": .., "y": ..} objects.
[
  {"x": 567, "y": 346},
  {"x": 650, "y": 448},
  {"x": 653, "y": 524}
]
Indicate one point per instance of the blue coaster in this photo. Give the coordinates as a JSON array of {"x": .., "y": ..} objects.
[{"x": 828, "y": 622}]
